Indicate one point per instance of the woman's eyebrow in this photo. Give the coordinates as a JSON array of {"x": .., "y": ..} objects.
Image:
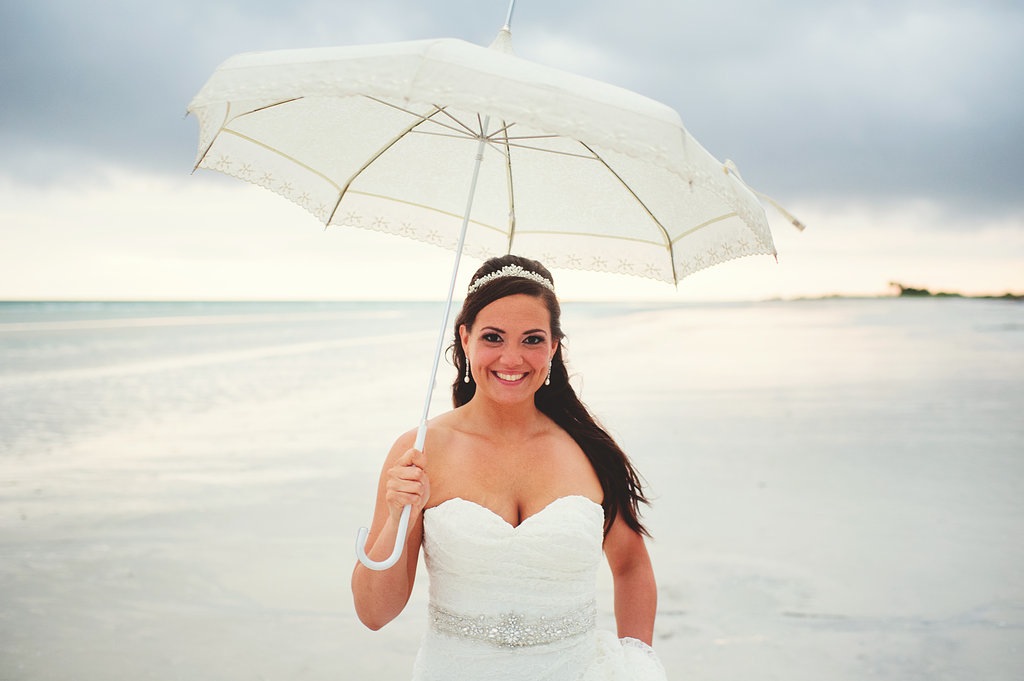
[{"x": 525, "y": 333}]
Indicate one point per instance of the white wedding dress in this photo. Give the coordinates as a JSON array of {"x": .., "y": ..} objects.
[{"x": 517, "y": 603}]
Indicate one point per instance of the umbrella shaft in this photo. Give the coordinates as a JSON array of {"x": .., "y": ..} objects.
[
  {"x": 508, "y": 18},
  {"x": 421, "y": 434}
]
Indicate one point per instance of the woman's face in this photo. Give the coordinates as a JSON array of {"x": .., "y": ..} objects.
[{"x": 509, "y": 348}]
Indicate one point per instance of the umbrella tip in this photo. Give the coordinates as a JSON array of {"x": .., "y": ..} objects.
[{"x": 503, "y": 41}]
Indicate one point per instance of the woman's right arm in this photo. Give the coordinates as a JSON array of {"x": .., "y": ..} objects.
[{"x": 380, "y": 596}]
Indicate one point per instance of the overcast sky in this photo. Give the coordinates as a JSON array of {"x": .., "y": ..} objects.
[{"x": 875, "y": 121}]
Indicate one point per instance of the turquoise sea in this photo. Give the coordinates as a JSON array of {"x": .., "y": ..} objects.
[{"x": 837, "y": 483}]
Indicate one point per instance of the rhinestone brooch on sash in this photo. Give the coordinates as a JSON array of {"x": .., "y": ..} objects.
[{"x": 511, "y": 630}]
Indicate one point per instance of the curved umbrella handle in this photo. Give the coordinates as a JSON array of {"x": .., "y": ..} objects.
[{"x": 403, "y": 526}]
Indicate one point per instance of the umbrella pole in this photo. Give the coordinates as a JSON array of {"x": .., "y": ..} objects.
[
  {"x": 508, "y": 18},
  {"x": 421, "y": 433}
]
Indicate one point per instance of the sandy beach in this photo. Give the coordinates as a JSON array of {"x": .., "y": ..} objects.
[{"x": 836, "y": 483}]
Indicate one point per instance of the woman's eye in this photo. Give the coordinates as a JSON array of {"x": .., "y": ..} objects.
[
  {"x": 534, "y": 340},
  {"x": 492, "y": 338}
]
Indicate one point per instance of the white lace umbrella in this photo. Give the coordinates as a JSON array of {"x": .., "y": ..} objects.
[{"x": 479, "y": 151}]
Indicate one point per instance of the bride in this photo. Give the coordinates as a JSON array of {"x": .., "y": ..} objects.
[{"x": 515, "y": 496}]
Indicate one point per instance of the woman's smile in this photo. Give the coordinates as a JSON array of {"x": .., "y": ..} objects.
[{"x": 510, "y": 377}]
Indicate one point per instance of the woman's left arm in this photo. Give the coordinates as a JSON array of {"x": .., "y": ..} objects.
[{"x": 636, "y": 593}]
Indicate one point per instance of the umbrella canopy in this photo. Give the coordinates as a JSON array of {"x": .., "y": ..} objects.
[{"x": 573, "y": 172}]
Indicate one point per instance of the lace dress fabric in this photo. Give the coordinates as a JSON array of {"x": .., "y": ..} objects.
[{"x": 517, "y": 603}]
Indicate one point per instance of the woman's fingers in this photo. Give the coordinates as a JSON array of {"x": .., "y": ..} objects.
[
  {"x": 408, "y": 484},
  {"x": 417, "y": 458}
]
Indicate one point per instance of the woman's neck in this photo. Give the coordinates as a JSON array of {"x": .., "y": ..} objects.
[{"x": 503, "y": 420}]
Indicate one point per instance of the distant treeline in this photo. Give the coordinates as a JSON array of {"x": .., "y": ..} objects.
[{"x": 911, "y": 292}]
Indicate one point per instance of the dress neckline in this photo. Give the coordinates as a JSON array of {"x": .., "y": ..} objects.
[{"x": 554, "y": 502}]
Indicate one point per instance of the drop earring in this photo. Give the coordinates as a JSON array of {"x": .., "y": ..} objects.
[
  {"x": 547, "y": 381},
  {"x": 467, "y": 378}
]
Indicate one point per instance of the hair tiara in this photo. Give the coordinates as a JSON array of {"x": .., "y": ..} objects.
[{"x": 512, "y": 271}]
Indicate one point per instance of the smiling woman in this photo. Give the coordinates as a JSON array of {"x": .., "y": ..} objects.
[
  {"x": 514, "y": 599},
  {"x": 513, "y": 297}
]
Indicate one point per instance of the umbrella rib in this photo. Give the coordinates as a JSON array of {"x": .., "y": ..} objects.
[
  {"x": 282, "y": 155},
  {"x": 586, "y": 157},
  {"x": 529, "y": 137},
  {"x": 509, "y": 141},
  {"x": 380, "y": 152},
  {"x": 213, "y": 139},
  {"x": 704, "y": 224},
  {"x": 455, "y": 134},
  {"x": 668, "y": 244},
  {"x": 458, "y": 127},
  {"x": 270, "y": 106},
  {"x": 504, "y": 143},
  {"x": 511, "y": 186},
  {"x": 500, "y": 133},
  {"x": 460, "y": 130},
  {"x": 228, "y": 117}
]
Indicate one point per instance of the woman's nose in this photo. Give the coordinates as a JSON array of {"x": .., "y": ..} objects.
[{"x": 511, "y": 356}]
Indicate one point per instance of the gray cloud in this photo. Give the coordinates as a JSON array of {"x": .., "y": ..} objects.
[{"x": 865, "y": 100}]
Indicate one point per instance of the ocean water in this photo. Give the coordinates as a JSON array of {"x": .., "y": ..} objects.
[{"x": 836, "y": 483}]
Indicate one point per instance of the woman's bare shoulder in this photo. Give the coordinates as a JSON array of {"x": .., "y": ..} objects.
[
  {"x": 553, "y": 435},
  {"x": 446, "y": 425},
  {"x": 438, "y": 425}
]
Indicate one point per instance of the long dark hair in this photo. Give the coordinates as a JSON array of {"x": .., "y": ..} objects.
[{"x": 623, "y": 490}]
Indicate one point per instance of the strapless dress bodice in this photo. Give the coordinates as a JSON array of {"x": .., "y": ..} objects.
[{"x": 479, "y": 563}]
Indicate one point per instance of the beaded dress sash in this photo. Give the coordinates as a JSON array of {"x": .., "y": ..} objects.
[{"x": 512, "y": 630}]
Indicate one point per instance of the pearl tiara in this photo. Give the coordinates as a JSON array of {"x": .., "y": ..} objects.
[{"x": 512, "y": 271}]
